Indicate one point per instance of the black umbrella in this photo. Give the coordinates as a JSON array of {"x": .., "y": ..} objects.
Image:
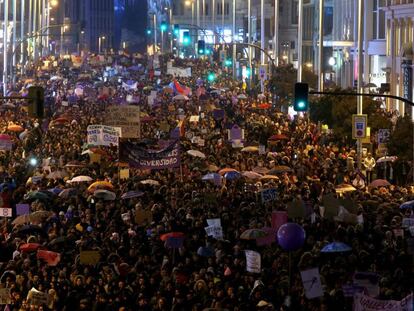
[
  {"x": 31, "y": 229},
  {"x": 8, "y": 273}
]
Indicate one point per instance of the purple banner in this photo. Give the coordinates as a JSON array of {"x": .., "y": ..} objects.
[{"x": 141, "y": 157}]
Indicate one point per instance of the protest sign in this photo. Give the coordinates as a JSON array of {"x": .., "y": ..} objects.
[
  {"x": 6, "y": 212},
  {"x": 366, "y": 303},
  {"x": 215, "y": 232},
  {"x": 5, "y": 297},
  {"x": 127, "y": 118},
  {"x": 6, "y": 145},
  {"x": 22, "y": 209},
  {"x": 311, "y": 281},
  {"x": 179, "y": 72},
  {"x": 235, "y": 133},
  {"x": 407, "y": 222},
  {"x": 253, "y": 261},
  {"x": 268, "y": 195},
  {"x": 102, "y": 135},
  {"x": 89, "y": 257},
  {"x": 279, "y": 218},
  {"x": 124, "y": 174},
  {"x": 37, "y": 298},
  {"x": 143, "y": 217},
  {"x": 214, "y": 222},
  {"x": 140, "y": 157}
]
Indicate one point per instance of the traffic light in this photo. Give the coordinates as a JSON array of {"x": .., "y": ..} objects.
[
  {"x": 186, "y": 38},
  {"x": 176, "y": 29},
  {"x": 163, "y": 26},
  {"x": 301, "y": 102},
  {"x": 36, "y": 102},
  {"x": 211, "y": 77},
  {"x": 149, "y": 32},
  {"x": 228, "y": 62},
  {"x": 201, "y": 46}
]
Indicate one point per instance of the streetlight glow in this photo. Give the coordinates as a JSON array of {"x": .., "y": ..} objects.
[{"x": 54, "y": 3}]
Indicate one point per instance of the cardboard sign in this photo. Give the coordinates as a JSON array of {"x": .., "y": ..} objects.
[
  {"x": 311, "y": 281},
  {"x": 143, "y": 217},
  {"x": 5, "y": 212},
  {"x": 37, "y": 298},
  {"x": 89, "y": 257},
  {"x": 253, "y": 261},
  {"x": 127, "y": 118},
  {"x": 5, "y": 297},
  {"x": 124, "y": 174},
  {"x": 215, "y": 232}
]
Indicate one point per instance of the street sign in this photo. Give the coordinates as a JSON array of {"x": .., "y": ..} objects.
[
  {"x": 359, "y": 126},
  {"x": 262, "y": 72},
  {"x": 383, "y": 136}
]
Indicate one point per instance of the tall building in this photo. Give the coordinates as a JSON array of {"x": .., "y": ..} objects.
[{"x": 399, "y": 33}]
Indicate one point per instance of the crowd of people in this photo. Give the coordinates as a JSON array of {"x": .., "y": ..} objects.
[{"x": 146, "y": 246}]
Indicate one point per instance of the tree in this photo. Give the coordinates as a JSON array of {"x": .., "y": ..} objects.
[
  {"x": 400, "y": 142},
  {"x": 283, "y": 81},
  {"x": 337, "y": 111}
]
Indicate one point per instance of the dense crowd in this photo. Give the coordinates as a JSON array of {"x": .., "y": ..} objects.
[{"x": 137, "y": 270}]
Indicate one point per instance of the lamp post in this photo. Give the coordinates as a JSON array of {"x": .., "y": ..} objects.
[
  {"x": 5, "y": 36},
  {"x": 22, "y": 51},
  {"x": 300, "y": 36},
  {"x": 276, "y": 37},
  {"x": 360, "y": 70},
  {"x": 320, "y": 53},
  {"x": 234, "y": 39},
  {"x": 100, "y": 43}
]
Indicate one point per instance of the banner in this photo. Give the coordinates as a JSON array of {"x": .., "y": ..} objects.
[
  {"x": 365, "y": 303},
  {"x": 140, "y": 157},
  {"x": 179, "y": 72},
  {"x": 102, "y": 135},
  {"x": 253, "y": 261},
  {"x": 127, "y": 118},
  {"x": 130, "y": 87}
]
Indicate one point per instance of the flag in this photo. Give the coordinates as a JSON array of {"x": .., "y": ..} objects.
[
  {"x": 182, "y": 89},
  {"x": 51, "y": 258}
]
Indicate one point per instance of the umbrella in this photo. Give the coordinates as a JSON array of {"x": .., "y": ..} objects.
[
  {"x": 100, "y": 185},
  {"x": 60, "y": 120},
  {"x": 252, "y": 175},
  {"x": 29, "y": 247},
  {"x": 55, "y": 191},
  {"x": 261, "y": 170},
  {"x": 226, "y": 170},
  {"x": 336, "y": 247},
  {"x": 232, "y": 175},
  {"x": 387, "y": 159},
  {"x": 253, "y": 234},
  {"x": 15, "y": 128},
  {"x": 264, "y": 106},
  {"x": 67, "y": 193},
  {"x": 81, "y": 178},
  {"x": 166, "y": 236},
  {"x": 30, "y": 230},
  {"x": 379, "y": 183},
  {"x": 104, "y": 195},
  {"x": 279, "y": 137},
  {"x": 8, "y": 274},
  {"x": 74, "y": 164},
  {"x": 196, "y": 153},
  {"x": 36, "y": 195},
  {"x": 58, "y": 240},
  {"x": 409, "y": 204},
  {"x": 180, "y": 97},
  {"x": 344, "y": 188},
  {"x": 38, "y": 216},
  {"x": 250, "y": 149},
  {"x": 151, "y": 182},
  {"x": 280, "y": 169},
  {"x": 242, "y": 96},
  {"x": 21, "y": 220},
  {"x": 214, "y": 177},
  {"x": 205, "y": 251},
  {"x": 132, "y": 194}
]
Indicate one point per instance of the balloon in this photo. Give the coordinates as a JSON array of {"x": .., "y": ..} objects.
[{"x": 291, "y": 236}]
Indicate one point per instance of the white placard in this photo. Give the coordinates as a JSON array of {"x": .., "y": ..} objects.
[
  {"x": 5, "y": 212},
  {"x": 102, "y": 135},
  {"x": 311, "y": 281},
  {"x": 253, "y": 261}
]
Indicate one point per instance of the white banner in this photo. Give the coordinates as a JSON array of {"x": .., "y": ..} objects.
[
  {"x": 365, "y": 303},
  {"x": 215, "y": 232},
  {"x": 102, "y": 135},
  {"x": 253, "y": 261},
  {"x": 179, "y": 72}
]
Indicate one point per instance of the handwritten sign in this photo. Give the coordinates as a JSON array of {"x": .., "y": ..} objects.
[
  {"x": 253, "y": 261},
  {"x": 5, "y": 212},
  {"x": 103, "y": 135},
  {"x": 268, "y": 195},
  {"x": 5, "y": 297},
  {"x": 127, "y": 118},
  {"x": 312, "y": 283}
]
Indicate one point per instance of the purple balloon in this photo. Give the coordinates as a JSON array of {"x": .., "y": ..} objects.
[{"x": 291, "y": 236}]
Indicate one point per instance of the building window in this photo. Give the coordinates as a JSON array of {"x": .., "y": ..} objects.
[
  {"x": 378, "y": 19},
  {"x": 294, "y": 12}
]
